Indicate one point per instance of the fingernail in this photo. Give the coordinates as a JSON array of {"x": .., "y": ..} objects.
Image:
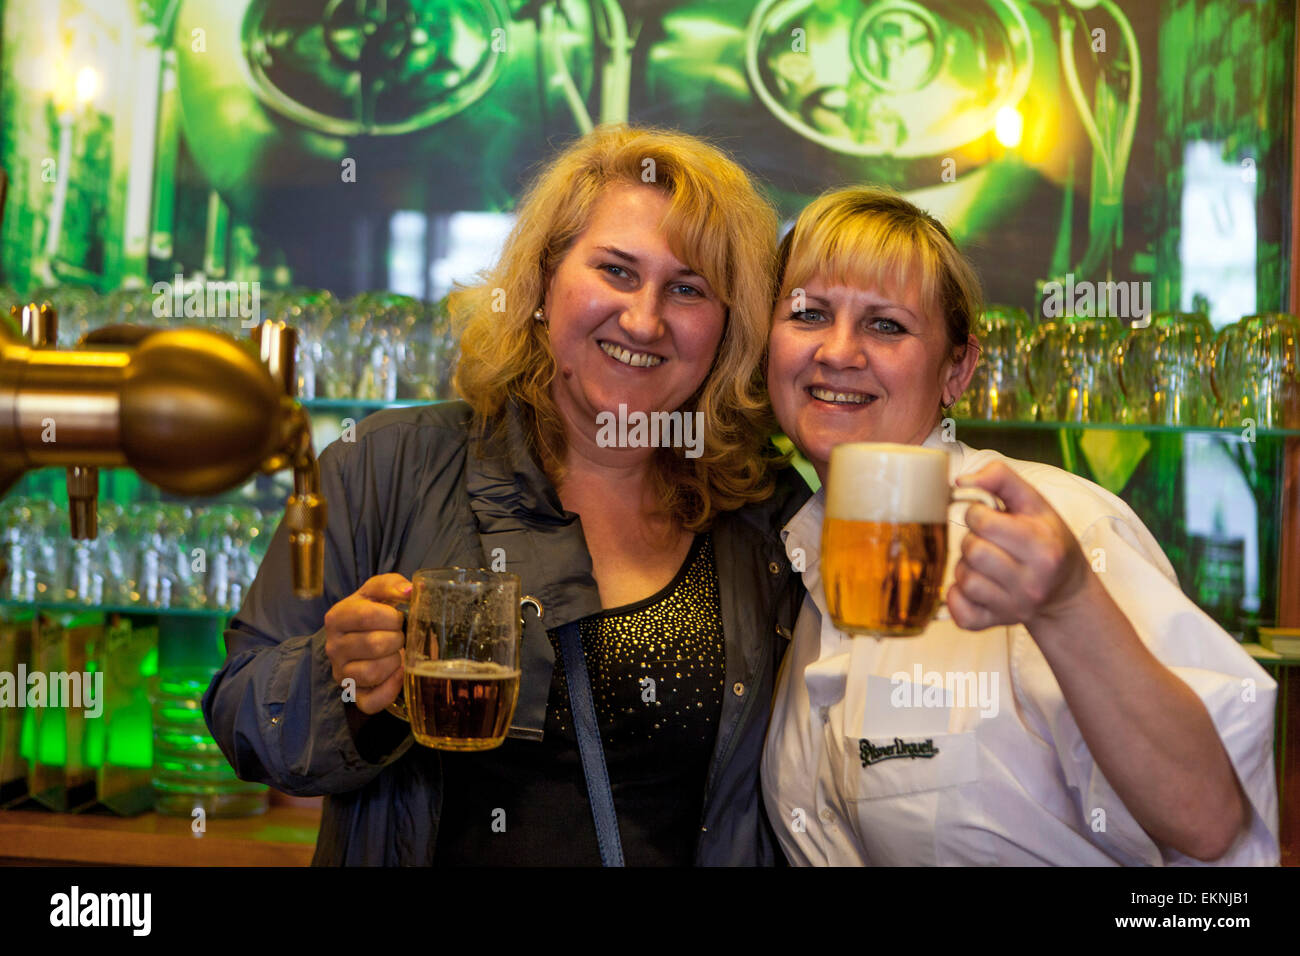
[{"x": 406, "y": 589}]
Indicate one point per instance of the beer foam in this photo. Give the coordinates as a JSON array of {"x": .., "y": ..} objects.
[
  {"x": 888, "y": 483},
  {"x": 461, "y": 669}
]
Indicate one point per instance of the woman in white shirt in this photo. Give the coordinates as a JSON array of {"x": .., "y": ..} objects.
[{"x": 1072, "y": 706}]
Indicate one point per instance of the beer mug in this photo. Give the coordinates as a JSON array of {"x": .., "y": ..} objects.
[
  {"x": 1160, "y": 370},
  {"x": 461, "y": 677},
  {"x": 1255, "y": 371},
  {"x": 885, "y": 536}
]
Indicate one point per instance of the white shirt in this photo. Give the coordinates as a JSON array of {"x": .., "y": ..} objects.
[{"x": 866, "y": 764}]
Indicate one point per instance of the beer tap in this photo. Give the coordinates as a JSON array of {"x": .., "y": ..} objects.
[
  {"x": 192, "y": 411},
  {"x": 305, "y": 511},
  {"x": 40, "y": 330}
]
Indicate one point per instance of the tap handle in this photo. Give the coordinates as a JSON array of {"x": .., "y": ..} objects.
[
  {"x": 276, "y": 345},
  {"x": 40, "y": 324},
  {"x": 305, "y": 517},
  {"x": 83, "y": 510}
]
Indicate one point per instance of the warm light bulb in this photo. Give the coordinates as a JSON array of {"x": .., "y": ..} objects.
[
  {"x": 1009, "y": 126},
  {"x": 87, "y": 84}
]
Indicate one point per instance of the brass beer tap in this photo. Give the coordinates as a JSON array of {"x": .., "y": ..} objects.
[{"x": 192, "y": 411}]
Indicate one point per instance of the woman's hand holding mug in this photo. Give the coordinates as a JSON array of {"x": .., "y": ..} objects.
[
  {"x": 365, "y": 639},
  {"x": 1020, "y": 566}
]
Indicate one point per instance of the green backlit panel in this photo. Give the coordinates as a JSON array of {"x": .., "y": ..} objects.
[{"x": 27, "y": 744}]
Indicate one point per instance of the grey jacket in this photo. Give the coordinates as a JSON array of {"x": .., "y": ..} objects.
[{"x": 412, "y": 491}]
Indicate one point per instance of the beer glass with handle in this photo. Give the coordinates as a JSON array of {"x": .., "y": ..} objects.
[
  {"x": 461, "y": 678},
  {"x": 885, "y": 536}
]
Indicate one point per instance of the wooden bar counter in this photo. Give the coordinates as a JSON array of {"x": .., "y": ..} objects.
[{"x": 283, "y": 836}]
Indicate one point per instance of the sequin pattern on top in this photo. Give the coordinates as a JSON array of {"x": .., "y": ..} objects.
[{"x": 657, "y": 666}]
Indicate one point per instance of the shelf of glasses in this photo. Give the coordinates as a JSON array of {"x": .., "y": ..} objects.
[
  {"x": 370, "y": 405},
  {"x": 362, "y": 404},
  {"x": 137, "y": 610},
  {"x": 1117, "y": 427}
]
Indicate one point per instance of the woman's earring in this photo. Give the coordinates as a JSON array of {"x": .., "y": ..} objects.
[{"x": 539, "y": 314}]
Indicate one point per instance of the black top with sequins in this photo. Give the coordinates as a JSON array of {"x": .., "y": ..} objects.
[{"x": 656, "y": 670}]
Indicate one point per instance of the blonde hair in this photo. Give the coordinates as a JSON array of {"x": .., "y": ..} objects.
[
  {"x": 873, "y": 238},
  {"x": 717, "y": 225}
]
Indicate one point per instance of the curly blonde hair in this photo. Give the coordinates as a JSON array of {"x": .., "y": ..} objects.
[{"x": 719, "y": 226}]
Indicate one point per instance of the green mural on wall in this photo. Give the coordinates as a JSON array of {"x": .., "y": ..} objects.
[{"x": 277, "y": 139}]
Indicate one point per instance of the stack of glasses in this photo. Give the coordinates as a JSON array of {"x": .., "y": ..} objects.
[
  {"x": 1174, "y": 371},
  {"x": 374, "y": 347},
  {"x": 160, "y": 555}
]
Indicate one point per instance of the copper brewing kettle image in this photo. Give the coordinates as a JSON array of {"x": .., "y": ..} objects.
[
  {"x": 977, "y": 110},
  {"x": 314, "y": 116},
  {"x": 317, "y": 120}
]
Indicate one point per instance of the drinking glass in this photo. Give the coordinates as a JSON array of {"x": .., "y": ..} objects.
[
  {"x": 343, "y": 348},
  {"x": 884, "y": 547},
  {"x": 1160, "y": 370},
  {"x": 998, "y": 390},
  {"x": 310, "y": 312},
  {"x": 1255, "y": 371},
  {"x": 1071, "y": 370},
  {"x": 461, "y": 678}
]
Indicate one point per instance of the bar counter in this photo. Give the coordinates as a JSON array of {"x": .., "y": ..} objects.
[{"x": 283, "y": 836}]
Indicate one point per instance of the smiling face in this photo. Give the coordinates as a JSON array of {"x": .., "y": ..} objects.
[
  {"x": 860, "y": 365},
  {"x": 628, "y": 322}
]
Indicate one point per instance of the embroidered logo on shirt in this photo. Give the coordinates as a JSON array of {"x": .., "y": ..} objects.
[{"x": 899, "y": 748}]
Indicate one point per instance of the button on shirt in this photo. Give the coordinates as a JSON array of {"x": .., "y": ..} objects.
[{"x": 957, "y": 748}]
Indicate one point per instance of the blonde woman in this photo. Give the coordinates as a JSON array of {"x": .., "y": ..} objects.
[
  {"x": 636, "y": 282},
  {"x": 1062, "y": 715}
]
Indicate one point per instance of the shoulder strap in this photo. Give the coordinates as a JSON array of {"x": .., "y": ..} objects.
[{"x": 590, "y": 747}]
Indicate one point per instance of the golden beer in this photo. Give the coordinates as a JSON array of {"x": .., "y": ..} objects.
[
  {"x": 460, "y": 704},
  {"x": 461, "y": 678},
  {"x": 883, "y": 578},
  {"x": 884, "y": 544}
]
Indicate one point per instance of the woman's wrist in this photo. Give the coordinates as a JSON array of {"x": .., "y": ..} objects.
[{"x": 1079, "y": 611}]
